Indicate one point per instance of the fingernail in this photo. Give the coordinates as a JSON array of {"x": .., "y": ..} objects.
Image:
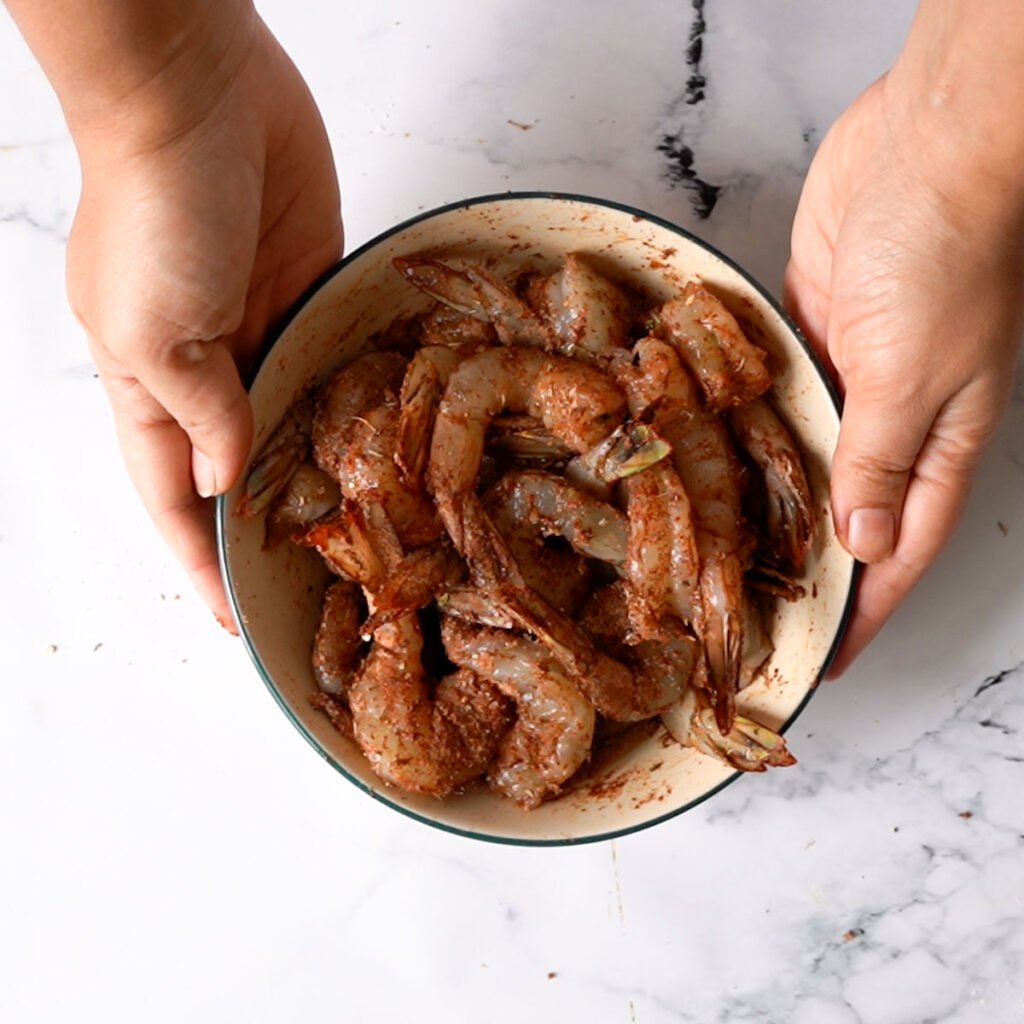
[
  {"x": 871, "y": 534},
  {"x": 203, "y": 474}
]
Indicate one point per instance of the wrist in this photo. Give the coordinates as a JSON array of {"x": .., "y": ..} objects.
[
  {"x": 135, "y": 73},
  {"x": 952, "y": 99}
]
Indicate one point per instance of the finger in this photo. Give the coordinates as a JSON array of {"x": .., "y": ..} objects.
[
  {"x": 934, "y": 504},
  {"x": 198, "y": 384},
  {"x": 158, "y": 456},
  {"x": 880, "y": 438}
]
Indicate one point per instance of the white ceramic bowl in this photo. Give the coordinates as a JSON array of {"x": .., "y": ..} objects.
[{"x": 276, "y": 594}]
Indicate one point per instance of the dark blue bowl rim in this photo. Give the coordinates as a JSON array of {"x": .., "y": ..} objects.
[{"x": 222, "y": 510}]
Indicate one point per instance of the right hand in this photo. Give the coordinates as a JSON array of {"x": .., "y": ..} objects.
[{"x": 201, "y": 221}]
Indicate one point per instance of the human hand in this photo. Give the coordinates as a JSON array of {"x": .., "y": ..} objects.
[
  {"x": 206, "y": 209},
  {"x": 906, "y": 277}
]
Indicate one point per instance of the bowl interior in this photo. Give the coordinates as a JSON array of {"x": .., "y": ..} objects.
[{"x": 277, "y": 593}]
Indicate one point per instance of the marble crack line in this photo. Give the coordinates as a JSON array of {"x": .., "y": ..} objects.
[{"x": 999, "y": 677}]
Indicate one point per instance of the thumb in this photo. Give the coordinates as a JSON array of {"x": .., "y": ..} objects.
[
  {"x": 880, "y": 439},
  {"x": 197, "y": 382}
]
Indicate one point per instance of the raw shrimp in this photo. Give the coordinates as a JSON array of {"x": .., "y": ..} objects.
[
  {"x": 424, "y": 384},
  {"x": 554, "y": 726},
  {"x": 525, "y": 441},
  {"x": 710, "y": 474},
  {"x": 589, "y": 314},
  {"x": 554, "y": 507},
  {"x": 472, "y": 291},
  {"x": 661, "y": 669},
  {"x": 443, "y": 325},
  {"x": 557, "y": 572},
  {"x": 351, "y": 393},
  {"x": 608, "y": 684},
  {"x": 789, "y": 511},
  {"x": 747, "y": 745},
  {"x": 577, "y": 403},
  {"x": 730, "y": 369},
  {"x": 369, "y": 474},
  {"x": 361, "y": 545},
  {"x": 309, "y": 494},
  {"x": 338, "y": 644},
  {"x": 282, "y": 454},
  {"x": 423, "y": 743}
]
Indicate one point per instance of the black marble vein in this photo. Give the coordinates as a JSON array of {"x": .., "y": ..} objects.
[{"x": 675, "y": 148}]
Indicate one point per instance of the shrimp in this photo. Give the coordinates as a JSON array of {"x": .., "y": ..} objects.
[
  {"x": 554, "y": 507},
  {"x": 284, "y": 451},
  {"x": 338, "y": 643},
  {"x": 472, "y": 291},
  {"x": 361, "y": 545},
  {"x": 443, "y": 325},
  {"x": 661, "y": 669},
  {"x": 710, "y": 475},
  {"x": 351, "y": 393},
  {"x": 554, "y": 726},
  {"x": 560, "y": 574},
  {"x": 309, "y": 494},
  {"x": 524, "y": 441},
  {"x": 589, "y": 314},
  {"x": 730, "y": 369},
  {"x": 425, "y": 379},
  {"x": 789, "y": 506},
  {"x": 747, "y": 745},
  {"x": 611, "y": 686},
  {"x": 577, "y": 403},
  {"x": 418, "y": 742},
  {"x": 369, "y": 474}
]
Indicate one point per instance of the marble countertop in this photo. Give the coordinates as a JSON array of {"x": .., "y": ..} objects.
[{"x": 171, "y": 849}]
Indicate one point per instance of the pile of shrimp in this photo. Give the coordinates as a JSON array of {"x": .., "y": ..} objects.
[{"x": 548, "y": 506}]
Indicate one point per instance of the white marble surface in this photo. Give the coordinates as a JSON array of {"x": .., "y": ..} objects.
[{"x": 170, "y": 848}]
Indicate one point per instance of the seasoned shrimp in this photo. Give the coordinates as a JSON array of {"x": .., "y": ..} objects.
[
  {"x": 309, "y": 494},
  {"x": 472, "y": 291},
  {"x": 279, "y": 458},
  {"x": 663, "y": 556},
  {"x": 608, "y": 684},
  {"x": 589, "y": 314},
  {"x": 730, "y": 368},
  {"x": 361, "y": 545},
  {"x": 369, "y": 474},
  {"x": 423, "y": 743},
  {"x": 710, "y": 475},
  {"x": 558, "y": 573},
  {"x": 424, "y": 384},
  {"x": 661, "y": 669},
  {"x": 443, "y": 325},
  {"x": 554, "y": 725},
  {"x": 577, "y": 403},
  {"x": 338, "y": 644},
  {"x": 747, "y": 745},
  {"x": 351, "y": 393},
  {"x": 556, "y": 508},
  {"x": 789, "y": 506},
  {"x": 524, "y": 441}
]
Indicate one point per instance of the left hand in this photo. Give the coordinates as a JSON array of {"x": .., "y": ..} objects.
[{"x": 908, "y": 282}]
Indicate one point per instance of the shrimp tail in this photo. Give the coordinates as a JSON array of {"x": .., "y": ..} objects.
[
  {"x": 748, "y": 746},
  {"x": 285, "y": 450}
]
